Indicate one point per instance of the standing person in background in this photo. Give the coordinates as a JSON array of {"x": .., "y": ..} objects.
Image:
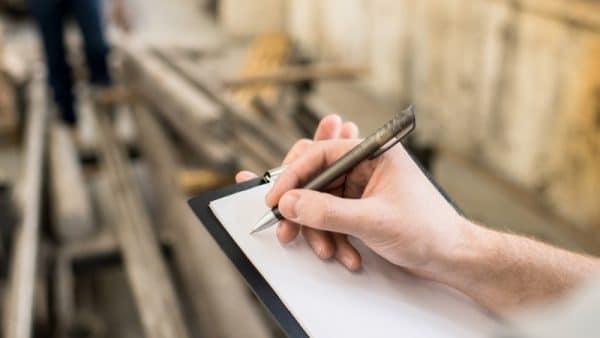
[{"x": 50, "y": 16}]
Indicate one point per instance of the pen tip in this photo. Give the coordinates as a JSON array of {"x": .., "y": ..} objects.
[{"x": 268, "y": 220}]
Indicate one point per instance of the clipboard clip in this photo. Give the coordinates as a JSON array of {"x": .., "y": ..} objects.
[{"x": 272, "y": 174}]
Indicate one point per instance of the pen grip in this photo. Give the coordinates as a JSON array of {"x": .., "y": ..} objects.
[{"x": 340, "y": 167}]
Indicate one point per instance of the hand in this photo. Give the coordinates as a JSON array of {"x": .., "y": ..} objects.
[
  {"x": 387, "y": 203},
  {"x": 390, "y": 205},
  {"x": 324, "y": 244}
]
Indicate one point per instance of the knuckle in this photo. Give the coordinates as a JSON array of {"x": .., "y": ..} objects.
[
  {"x": 328, "y": 214},
  {"x": 301, "y": 144},
  {"x": 296, "y": 150}
]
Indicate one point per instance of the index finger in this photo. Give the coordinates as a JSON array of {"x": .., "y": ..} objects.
[
  {"x": 318, "y": 156},
  {"x": 329, "y": 127}
]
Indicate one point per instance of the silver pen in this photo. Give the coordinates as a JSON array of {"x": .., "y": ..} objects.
[{"x": 376, "y": 144}]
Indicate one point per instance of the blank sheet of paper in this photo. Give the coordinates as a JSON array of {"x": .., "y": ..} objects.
[{"x": 328, "y": 301}]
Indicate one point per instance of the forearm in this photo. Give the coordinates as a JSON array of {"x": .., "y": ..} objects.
[{"x": 503, "y": 271}]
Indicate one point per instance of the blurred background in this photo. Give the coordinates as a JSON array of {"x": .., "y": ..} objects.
[{"x": 96, "y": 238}]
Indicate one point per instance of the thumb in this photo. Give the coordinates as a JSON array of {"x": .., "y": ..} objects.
[{"x": 325, "y": 211}]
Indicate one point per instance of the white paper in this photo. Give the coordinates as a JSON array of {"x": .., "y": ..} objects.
[{"x": 328, "y": 301}]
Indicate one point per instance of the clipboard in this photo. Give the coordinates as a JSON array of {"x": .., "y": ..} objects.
[{"x": 257, "y": 283}]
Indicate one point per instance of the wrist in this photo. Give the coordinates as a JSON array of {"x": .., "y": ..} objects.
[{"x": 463, "y": 257}]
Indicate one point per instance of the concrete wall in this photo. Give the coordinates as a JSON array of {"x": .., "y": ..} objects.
[{"x": 514, "y": 85}]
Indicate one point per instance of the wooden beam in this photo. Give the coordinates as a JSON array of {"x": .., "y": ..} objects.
[
  {"x": 187, "y": 110},
  {"x": 195, "y": 180},
  {"x": 146, "y": 271},
  {"x": 295, "y": 74},
  {"x": 221, "y": 302},
  {"x": 22, "y": 276},
  {"x": 238, "y": 120}
]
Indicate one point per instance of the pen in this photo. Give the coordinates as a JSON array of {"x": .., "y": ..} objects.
[{"x": 376, "y": 144}]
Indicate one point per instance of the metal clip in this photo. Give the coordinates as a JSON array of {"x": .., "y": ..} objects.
[
  {"x": 390, "y": 143},
  {"x": 407, "y": 128},
  {"x": 272, "y": 174}
]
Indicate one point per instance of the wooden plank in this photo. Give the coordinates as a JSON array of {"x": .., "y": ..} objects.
[
  {"x": 72, "y": 207},
  {"x": 220, "y": 300},
  {"x": 197, "y": 180},
  {"x": 146, "y": 271},
  {"x": 238, "y": 120},
  {"x": 171, "y": 87},
  {"x": 295, "y": 74},
  {"x": 18, "y": 312}
]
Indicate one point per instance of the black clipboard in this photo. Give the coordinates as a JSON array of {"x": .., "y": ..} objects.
[
  {"x": 254, "y": 279},
  {"x": 257, "y": 283}
]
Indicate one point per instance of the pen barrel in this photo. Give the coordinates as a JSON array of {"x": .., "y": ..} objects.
[{"x": 393, "y": 131}]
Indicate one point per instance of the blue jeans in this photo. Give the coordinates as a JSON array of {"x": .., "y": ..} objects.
[{"x": 50, "y": 16}]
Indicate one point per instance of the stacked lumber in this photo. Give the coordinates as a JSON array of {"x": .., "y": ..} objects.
[
  {"x": 204, "y": 118},
  {"x": 217, "y": 294},
  {"x": 236, "y": 130}
]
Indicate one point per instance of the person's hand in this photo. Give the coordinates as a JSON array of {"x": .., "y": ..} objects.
[
  {"x": 391, "y": 206},
  {"x": 387, "y": 203},
  {"x": 325, "y": 244}
]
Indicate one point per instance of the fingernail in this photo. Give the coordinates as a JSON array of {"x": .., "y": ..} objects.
[
  {"x": 267, "y": 199},
  {"x": 288, "y": 203},
  {"x": 320, "y": 249},
  {"x": 349, "y": 262}
]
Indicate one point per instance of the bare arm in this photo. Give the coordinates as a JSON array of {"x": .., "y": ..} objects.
[{"x": 504, "y": 271}]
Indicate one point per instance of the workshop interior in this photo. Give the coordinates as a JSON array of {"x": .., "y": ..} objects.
[{"x": 113, "y": 114}]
